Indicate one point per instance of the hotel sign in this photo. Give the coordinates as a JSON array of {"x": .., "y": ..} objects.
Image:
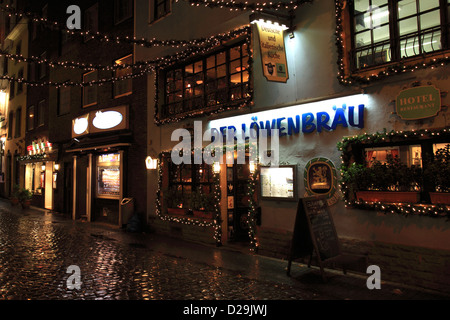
[
  {"x": 273, "y": 54},
  {"x": 418, "y": 103}
]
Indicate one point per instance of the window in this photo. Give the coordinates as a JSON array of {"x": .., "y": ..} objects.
[
  {"x": 63, "y": 100},
  {"x": 30, "y": 118},
  {"x": 41, "y": 113},
  {"x": 216, "y": 80},
  {"x": 123, "y": 9},
  {"x": 20, "y": 84},
  {"x": 90, "y": 91},
  {"x": 18, "y": 127},
  {"x": 43, "y": 66},
  {"x": 91, "y": 20},
  {"x": 10, "y": 124},
  {"x": 392, "y": 30},
  {"x": 12, "y": 88},
  {"x": 123, "y": 87},
  {"x": 159, "y": 9}
]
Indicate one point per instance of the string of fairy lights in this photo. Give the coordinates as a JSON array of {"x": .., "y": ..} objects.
[
  {"x": 406, "y": 209},
  {"x": 351, "y": 79},
  {"x": 245, "y": 5}
]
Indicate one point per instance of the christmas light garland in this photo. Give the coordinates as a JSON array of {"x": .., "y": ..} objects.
[
  {"x": 246, "y": 6},
  {"x": 405, "y": 209},
  {"x": 398, "y": 68},
  {"x": 252, "y": 212},
  {"x": 244, "y": 31},
  {"x": 217, "y": 221},
  {"x": 72, "y": 83},
  {"x": 143, "y": 42}
]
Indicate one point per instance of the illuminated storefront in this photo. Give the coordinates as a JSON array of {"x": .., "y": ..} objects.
[{"x": 98, "y": 155}]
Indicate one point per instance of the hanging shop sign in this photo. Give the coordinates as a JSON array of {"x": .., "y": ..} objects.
[
  {"x": 317, "y": 116},
  {"x": 100, "y": 121},
  {"x": 40, "y": 146},
  {"x": 320, "y": 179},
  {"x": 273, "y": 53},
  {"x": 418, "y": 103}
]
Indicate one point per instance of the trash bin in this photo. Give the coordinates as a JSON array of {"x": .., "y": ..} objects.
[{"x": 127, "y": 205}]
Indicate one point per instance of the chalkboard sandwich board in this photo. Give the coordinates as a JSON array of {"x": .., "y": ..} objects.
[{"x": 314, "y": 231}]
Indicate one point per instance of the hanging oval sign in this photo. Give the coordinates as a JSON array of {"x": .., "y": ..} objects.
[
  {"x": 107, "y": 120},
  {"x": 80, "y": 125},
  {"x": 320, "y": 179}
]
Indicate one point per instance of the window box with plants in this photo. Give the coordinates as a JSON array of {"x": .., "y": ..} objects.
[
  {"x": 202, "y": 205},
  {"x": 174, "y": 202},
  {"x": 390, "y": 182},
  {"x": 438, "y": 173}
]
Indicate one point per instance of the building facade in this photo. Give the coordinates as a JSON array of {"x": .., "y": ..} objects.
[
  {"x": 75, "y": 80},
  {"x": 353, "y": 85}
]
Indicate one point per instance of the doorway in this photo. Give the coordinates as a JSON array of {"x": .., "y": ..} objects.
[{"x": 238, "y": 177}]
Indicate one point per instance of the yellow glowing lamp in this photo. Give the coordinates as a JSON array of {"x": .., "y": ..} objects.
[{"x": 151, "y": 163}]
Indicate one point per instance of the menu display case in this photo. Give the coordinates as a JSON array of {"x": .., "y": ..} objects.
[
  {"x": 108, "y": 176},
  {"x": 278, "y": 183}
]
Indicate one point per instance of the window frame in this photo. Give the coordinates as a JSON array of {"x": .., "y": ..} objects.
[
  {"x": 153, "y": 12},
  {"x": 58, "y": 109},
  {"x": 118, "y": 19},
  {"x": 127, "y": 71},
  {"x": 29, "y": 128},
  {"x": 40, "y": 121},
  {"x": 18, "y": 123},
  {"x": 85, "y": 88},
  {"x": 345, "y": 19},
  {"x": 218, "y": 88}
]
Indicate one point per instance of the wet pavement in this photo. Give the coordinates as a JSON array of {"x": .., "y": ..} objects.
[{"x": 37, "y": 247}]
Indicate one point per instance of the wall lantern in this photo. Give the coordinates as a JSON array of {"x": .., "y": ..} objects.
[
  {"x": 216, "y": 167},
  {"x": 43, "y": 166},
  {"x": 252, "y": 167},
  {"x": 56, "y": 166},
  {"x": 151, "y": 163}
]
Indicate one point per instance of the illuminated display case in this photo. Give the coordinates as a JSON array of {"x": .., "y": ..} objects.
[
  {"x": 279, "y": 183},
  {"x": 108, "y": 176}
]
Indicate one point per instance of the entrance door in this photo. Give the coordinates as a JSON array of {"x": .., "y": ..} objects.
[
  {"x": 238, "y": 202},
  {"x": 81, "y": 169},
  {"x": 68, "y": 188}
]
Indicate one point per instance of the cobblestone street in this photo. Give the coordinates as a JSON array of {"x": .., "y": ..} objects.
[{"x": 37, "y": 247}]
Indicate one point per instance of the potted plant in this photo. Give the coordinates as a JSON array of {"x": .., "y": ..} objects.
[
  {"x": 392, "y": 181},
  {"x": 25, "y": 197},
  {"x": 438, "y": 173},
  {"x": 15, "y": 195}
]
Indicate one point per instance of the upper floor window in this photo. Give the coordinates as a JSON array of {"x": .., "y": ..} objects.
[
  {"x": 91, "y": 20},
  {"x": 392, "y": 30},
  {"x": 159, "y": 9},
  {"x": 90, "y": 91},
  {"x": 10, "y": 124},
  {"x": 41, "y": 113},
  {"x": 217, "y": 80},
  {"x": 30, "y": 118},
  {"x": 123, "y": 87},
  {"x": 63, "y": 100},
  {"x": 123, "y": 9},
  {"x": 18, "y": 126}
]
